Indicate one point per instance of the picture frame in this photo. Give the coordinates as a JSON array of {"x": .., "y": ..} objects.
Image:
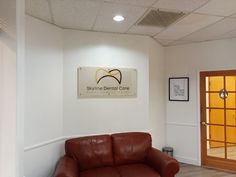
[{"x": 179, "y": 89}]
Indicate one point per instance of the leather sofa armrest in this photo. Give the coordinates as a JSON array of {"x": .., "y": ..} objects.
[
  {"x": 66, "y": 167},
  {"x": 166, "y": 166}
]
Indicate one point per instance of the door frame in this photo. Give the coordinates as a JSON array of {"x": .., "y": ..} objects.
[{"x": 207, "y": 161}]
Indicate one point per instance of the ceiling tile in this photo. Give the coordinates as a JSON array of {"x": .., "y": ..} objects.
[
  {"x": 180, "y": 43},
  {"x": 213, "y": 31},
  {"x": 181, "y": 5},
  {"x": 164, "y": 42},
  {"x": 234, "y": 16},
  {"x": 76, "y": 14},
  {"x": 106, "y": 23},
  {"x": 38, "y": 9},
  {"x": 146, "y": 3},
  {"x": 151, "y": 31},
  {"x": 219, "y": 7},
  {"x": 231, "y": 34},
  {"x": 187, "y": 25}
]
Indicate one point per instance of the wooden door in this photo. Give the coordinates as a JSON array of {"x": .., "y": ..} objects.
[{"x": 218, "y": 120}]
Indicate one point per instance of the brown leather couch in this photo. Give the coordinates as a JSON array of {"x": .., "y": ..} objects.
[{"x": 116, "y": 155}]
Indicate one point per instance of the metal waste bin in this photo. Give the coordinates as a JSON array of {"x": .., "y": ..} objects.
[{"x": 168, "y": 150}]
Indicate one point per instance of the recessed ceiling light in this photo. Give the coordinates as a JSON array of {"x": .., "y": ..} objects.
[{"x": 118, "y": 18}]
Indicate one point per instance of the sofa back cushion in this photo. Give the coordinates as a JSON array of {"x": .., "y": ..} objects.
[
  {"x": 91, "y": 151},
  {"x": 130, "y": 147}
]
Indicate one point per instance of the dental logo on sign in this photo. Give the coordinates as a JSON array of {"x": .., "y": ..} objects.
[{"x": 102, "y": 73}]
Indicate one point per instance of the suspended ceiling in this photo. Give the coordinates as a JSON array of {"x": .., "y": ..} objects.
[{"x": 204, "y": 20}]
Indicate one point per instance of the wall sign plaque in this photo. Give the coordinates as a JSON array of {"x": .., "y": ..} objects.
[{"x": 107, "y": 82}]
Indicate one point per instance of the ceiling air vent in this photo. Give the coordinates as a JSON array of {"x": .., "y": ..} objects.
[{"x": 160, "y": 18}]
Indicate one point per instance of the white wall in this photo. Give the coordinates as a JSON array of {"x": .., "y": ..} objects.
[
  {"x": 7, "y": 110},
  {"x": 20, "y": 22},
  {"x": 8, "y": 88},
  {"x": 43, "y": 97},
  {"x": 102, "y": 115},
  {"x": 96, "y": 116},
  {"x": 183, "y": 117},
  {"x": 157, "y": 97},
  {"x": 41, "y": 160}
]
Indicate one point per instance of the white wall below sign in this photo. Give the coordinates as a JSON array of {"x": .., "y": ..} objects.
[{"x": 95, "y": 116}]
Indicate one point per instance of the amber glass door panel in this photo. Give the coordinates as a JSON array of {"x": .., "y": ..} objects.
[
  {"x": 214, "y": 101},
  {"x": 216, "y": 133},
  {"x": 215, "y": 83},
  {"x": 218, "y": 119},
  {"x": 231, "y": 132},
  {"x": 230, "y": 101},
  {"x": 230, "y": 83},
  {"x": 231, "y": 117},
  {"x": 215, "y": 116}
]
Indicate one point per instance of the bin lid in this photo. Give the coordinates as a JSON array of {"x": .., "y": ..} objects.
[{"x": 169, "y": 149}]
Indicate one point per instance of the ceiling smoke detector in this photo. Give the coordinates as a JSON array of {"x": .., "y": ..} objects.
[{"x": 160, "y": 18}]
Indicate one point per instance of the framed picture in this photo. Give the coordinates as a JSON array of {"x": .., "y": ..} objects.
[{"x": 179, "y": 89}]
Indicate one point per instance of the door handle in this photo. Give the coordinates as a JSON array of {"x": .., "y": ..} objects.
[{"x": 204, "y": 123}]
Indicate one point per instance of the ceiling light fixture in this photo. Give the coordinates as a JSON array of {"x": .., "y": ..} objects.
[{"x": 118, "y": 18}]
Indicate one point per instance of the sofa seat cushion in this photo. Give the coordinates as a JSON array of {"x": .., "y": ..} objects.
[
  {"x": 100, "y": 172},
  {"x": 137, "y": 170}
]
